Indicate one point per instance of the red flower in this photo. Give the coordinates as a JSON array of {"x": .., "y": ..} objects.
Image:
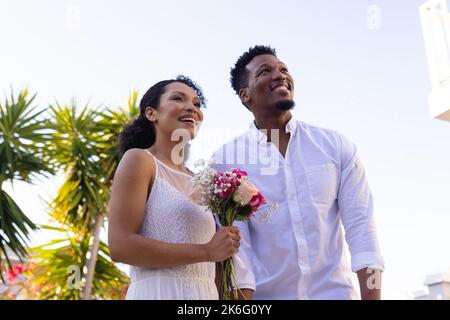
[
  {"x": 18, "y": 268},
  {"x": 14, "y": 272},
  {"x": 257, "y": 200},
  {"x": 239, "y": 173},
  {"x": 225, "y": 184}
]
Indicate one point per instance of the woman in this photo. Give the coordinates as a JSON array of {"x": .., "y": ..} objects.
[{"x": 170, "y": 242}]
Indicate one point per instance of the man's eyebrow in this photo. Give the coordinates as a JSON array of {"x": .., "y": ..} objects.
[{"x": 262, "y": 66}]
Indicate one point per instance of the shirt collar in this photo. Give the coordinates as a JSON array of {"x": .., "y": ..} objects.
[{"x": 290, "y": 127}]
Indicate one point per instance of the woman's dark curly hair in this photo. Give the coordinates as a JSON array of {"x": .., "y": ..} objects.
[{"x": 140, "y": 132}]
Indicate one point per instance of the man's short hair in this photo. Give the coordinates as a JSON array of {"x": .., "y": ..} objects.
[{"x": 239, "y": 73}]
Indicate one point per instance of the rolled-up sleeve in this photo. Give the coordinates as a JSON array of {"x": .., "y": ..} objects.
[{"x": 356, "y": 211}]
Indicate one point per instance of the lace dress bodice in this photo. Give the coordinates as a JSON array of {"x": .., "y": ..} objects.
[{"x": 170, "y": 216}]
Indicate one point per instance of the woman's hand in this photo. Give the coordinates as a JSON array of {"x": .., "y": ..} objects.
[{"x": 224, "y": 244}]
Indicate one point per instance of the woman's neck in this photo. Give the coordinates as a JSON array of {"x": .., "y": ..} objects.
[{"x": 170, "y": 153}]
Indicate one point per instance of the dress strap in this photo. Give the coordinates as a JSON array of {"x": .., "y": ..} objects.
[{"x": 156, "y": 163}]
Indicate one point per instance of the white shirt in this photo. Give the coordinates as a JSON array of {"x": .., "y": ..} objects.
[{"x": 299, "y": 252}]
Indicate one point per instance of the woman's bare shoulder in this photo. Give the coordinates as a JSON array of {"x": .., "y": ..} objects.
[{"x": 137, "y": 161}]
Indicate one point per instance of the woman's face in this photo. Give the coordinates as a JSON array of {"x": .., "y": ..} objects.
[{"x": 179, "y": 112}]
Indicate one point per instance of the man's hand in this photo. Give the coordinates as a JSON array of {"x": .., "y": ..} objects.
[
  {"x": 245, "y": 294},
  {"x": 369, "y": 283}
]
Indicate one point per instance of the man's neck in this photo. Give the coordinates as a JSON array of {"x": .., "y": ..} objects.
[
  {"x": 273, "y": 122},
  {"x": 268, "y": 124}
]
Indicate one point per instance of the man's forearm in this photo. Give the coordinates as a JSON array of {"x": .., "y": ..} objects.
[{"x": 369, "y": 283}]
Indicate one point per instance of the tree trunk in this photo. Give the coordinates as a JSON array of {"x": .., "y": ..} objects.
[{"x": 90, "y": 264}]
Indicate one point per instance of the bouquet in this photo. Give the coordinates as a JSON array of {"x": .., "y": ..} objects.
[{"x": 231, "y": 197}]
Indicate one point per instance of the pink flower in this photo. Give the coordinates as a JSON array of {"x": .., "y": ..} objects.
[
  {"x": 257, "y": 200},
  {"x": 14, "y": 272},
  {"x": 18, "y": 268},
  {"x": 239, "y": 173},
  {"x": 225, "y": 184},
  {"x": 245, "y": 193},
  {"x": 10, "y": 276}
]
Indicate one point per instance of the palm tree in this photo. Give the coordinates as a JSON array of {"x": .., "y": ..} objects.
[
  {"x": 22, "y": 140},
  {"x": 84, "y": 146},
  {"x": 64, "y": 258},
  {"x": 109, "y": 127},
  {"x": 76, "y": 149}
]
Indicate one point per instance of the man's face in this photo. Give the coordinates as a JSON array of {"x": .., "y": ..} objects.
[{"x": 269, "y": 84}]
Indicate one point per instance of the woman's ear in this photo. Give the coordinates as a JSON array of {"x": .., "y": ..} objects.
[{"x": 150, "y": 114}]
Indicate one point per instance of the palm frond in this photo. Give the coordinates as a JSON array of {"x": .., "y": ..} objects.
[
  {"x": 59, "y": 270},
  {"x": 23, "y": 137},
  {"x": 15, "y": 227}
]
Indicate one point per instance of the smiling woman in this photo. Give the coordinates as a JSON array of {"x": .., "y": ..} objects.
[
  {"x": 141, "y": 132},
  {"x": 170, "y": 242}
]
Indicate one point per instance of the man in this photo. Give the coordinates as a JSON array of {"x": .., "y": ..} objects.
[{"x": 319, "y": 184}]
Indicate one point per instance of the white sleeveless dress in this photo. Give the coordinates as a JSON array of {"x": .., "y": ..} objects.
[{"x": 170, "y": 216}]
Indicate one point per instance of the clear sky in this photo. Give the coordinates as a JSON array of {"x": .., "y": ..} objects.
[{"x": 360, "y": 68}]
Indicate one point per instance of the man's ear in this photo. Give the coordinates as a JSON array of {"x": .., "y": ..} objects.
[
  {"x": 150, "y": 114},
  {"x": 244, "y": 96}
]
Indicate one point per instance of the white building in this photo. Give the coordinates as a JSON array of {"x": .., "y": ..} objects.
[
  {"x": 436, "y": 32},
  {"x": 437, "y": 288}
]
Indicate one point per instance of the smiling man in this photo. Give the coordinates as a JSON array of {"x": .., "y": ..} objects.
[{"x": 321, "y": 189}]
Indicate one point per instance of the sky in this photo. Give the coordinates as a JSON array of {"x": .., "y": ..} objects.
[{"x": 359, "y": 66}]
